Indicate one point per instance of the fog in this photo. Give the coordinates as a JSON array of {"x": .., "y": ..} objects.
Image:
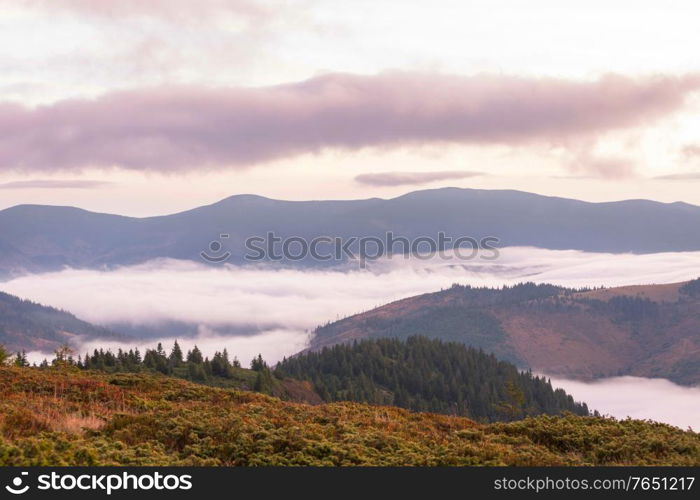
[
  {"x": 641, "y": 398},
  {"x": 273, "y": 310},
  {"x": 265, "y": 298},
  {"x": 278, "y": 307}
]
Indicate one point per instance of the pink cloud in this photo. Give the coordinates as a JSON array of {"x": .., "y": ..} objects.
[
  {"x": 172, "y": 10},
  {"x": 182, "y": 128},
  {"x": 610, "y": 167},
  {"x": 691, "y": 151}
]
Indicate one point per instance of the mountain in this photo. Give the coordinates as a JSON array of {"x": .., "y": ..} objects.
[
  {"x": 428, "y": 375},
  {"x": 37, "y": 238},
  {"x": 64, "y": 417},
  {"x": 25, "y": 325},
  {"x": 647, "y": 331}
]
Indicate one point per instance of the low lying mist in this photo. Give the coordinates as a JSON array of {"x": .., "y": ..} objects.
[
  {"x": 271, "y": 310},
  {"x": 640, "y": 398}
]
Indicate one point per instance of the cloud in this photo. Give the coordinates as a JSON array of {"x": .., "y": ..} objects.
[
  {"x": 173, "y": 129},
  {"x": 641, "y": 398},
  {"x": 413, "y": 178},
  {"x": 54, "y": 184},
  {"x": 609, "y": 167},
  {"x": 169, "y": 10},
  {"x": 690, "y": 176},
  {"x": 281, "y": 306},
  {"x": 691, "y": 151},
  {"x": 258, "y": 300}
]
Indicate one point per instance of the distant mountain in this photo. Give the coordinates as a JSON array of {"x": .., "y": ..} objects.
[
  {"x": 649, "y": 331},
  {"x": 428, "y": 375},
  {"x": 29, "y": 326},
  {"x": 39, "y": 238}
]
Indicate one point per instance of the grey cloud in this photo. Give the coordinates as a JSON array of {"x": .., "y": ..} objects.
[
  {"x": 54, "y": 184},
  {"x": 412, "y": 178}
]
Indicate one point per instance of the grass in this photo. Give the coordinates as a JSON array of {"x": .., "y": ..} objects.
[{"x": 54, "y": 417}]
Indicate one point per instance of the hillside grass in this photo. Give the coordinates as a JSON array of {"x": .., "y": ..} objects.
[{"x": 70, "y": 417}]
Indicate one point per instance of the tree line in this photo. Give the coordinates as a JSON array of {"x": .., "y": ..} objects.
[
  {"x": 192, "y": 365},
  {"x": 419, "y": 374}
]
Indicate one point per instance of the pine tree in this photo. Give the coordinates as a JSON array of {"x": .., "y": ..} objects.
[
  {"x": 196, "y": 372},
  {"x": 263, "y": 381},
  {"x": 21, "y": 359},
  {"x": 63, "y": 356},
  {"x": 4, "y": 355},
  {"x": 195, "y": 356},
  {"x": 176, "y": 358},
  {"x": 258, "y": 364}
]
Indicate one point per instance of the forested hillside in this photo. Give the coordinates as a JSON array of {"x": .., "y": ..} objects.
[
  {"x": 428, "y": 375},
  {"x": 63, "y": 416},
  {"x": 646, "y": 331},
  {"x": 25, "y": 325},
  {"x": 418, "y": 374}
]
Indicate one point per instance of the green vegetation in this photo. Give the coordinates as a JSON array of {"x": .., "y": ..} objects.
[
  {"x": 219, "y": 371},
  {"x": 428, "y": 375},
  {"x": 625, "y": 308},
  {"x": 450, "y": 323},
  {"x": 465, "y": 318},
  {"x": 419, "y": 374},
  {"x": 4, "y": 355},
  {"x": 65, "y": 416},
  {"x": 644, "y": 330},
  {"x": 521, "y": 292}
]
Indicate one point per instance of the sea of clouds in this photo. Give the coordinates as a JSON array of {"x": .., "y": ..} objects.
[
  {"x": 643, "y": 398},
  {"x": 274, "y": 310}
]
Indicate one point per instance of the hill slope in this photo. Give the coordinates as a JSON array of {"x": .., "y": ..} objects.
[
  {"x": 418, "y": 374},
  {"x": 25, "y": 325},
  {"x": 66, "y": 418},
  {"x": 428, "y": 375},
  {"x": 39, "y": 238},
  {"x": 651, "y": 331}
]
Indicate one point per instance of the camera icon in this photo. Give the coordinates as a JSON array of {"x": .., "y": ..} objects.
[
  {"x": 215, "y": 247},
  {"x": 16, "y": 487}
]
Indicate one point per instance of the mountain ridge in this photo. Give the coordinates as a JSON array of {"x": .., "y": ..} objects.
[
  {"x": 252, "y": 196},
  {"x": 27, "y": 325},
  {"x": 649, "y": 331},
  {"x": 38, "y": 238}
]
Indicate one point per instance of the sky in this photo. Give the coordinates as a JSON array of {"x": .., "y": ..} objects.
[{"x": 145, "y": 108}]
